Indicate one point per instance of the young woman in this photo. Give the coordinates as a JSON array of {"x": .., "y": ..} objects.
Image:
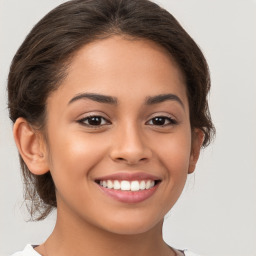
[{"x": 108, "y": 101}]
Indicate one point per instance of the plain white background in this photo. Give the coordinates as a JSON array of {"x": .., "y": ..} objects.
[{"x": 216, "y": 214}]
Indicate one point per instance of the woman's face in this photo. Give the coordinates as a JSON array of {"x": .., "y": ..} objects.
[{"x": 119, "y": 136}]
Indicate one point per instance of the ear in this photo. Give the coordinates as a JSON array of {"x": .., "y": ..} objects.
[
  {"x": 31, "y": 146},
  {"x": 197, "y": 142}
]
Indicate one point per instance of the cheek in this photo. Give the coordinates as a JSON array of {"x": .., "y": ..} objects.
[
  {"x": 74, "y": 155},
  {"x": 174, "y": 153},
  {"x": 175, "y": 158}
]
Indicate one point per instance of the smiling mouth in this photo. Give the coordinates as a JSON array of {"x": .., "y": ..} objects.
[
  {"x": 129, "y": 187},
  {"x": 128, "y": 191},
  {"x": 126, "y": 185}
]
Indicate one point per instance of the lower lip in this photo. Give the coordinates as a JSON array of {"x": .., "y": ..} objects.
[{"x": 131, "y": 197}]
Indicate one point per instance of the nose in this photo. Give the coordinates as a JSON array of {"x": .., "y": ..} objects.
[{"x": 130, "y": 146}]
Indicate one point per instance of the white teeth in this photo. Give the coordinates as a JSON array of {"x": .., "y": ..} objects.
[
  {"x": 142, "y": 185},
  {"x": 148, "y": 184},
  {"x": 117, "y": 184},
  {"x": 126, "y": 185},
  {"x": 152, "y": 184},
  {"x": 135, "y": 185},
  {"x": 110, "y": 184},
  {"x": 104, "y": 184}
]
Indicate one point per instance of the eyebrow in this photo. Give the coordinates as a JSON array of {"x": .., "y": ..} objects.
[
  {"x": 163, "y": 97},
  {"x": 151, "y": 100},
  {"x": 95, "y": 97}
]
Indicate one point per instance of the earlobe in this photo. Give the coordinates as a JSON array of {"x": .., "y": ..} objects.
[
  {"x": 31, "y": 146},
  {"x": 197, "y": 142}
]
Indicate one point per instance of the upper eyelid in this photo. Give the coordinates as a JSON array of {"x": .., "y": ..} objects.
[
  {"x": 157, "y": 114},
  {"x": 93, "y": 113}
]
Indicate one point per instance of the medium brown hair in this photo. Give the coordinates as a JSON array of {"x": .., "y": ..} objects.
[{"x": 41, "y": 62}]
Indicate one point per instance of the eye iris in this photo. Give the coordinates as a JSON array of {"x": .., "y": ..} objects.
[
  {"x": 159, "y": 120},
  {"x": 94, "y": 120}
]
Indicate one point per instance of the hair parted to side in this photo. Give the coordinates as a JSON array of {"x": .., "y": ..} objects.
[{"x": 41, "y": 62}]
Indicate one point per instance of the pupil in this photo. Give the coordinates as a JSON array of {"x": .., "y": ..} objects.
[
  {"x": 94, "y": 120},
  {"x": 159, "y": 120}
]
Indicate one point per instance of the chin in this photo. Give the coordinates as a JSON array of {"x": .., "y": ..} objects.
[{"x": 132, "y": 227}]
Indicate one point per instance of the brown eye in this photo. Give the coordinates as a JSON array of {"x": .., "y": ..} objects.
[
  {"x": 161, "y": 121},
  {"x": 94, "y": 121}
]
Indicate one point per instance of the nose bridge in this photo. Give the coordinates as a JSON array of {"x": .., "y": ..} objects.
[
  {"x": 130, "y": 144},
  {"x": 132, "y": 138}
]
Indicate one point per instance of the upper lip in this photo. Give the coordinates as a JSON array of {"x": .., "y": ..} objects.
[{"x": 129, "y": 176}]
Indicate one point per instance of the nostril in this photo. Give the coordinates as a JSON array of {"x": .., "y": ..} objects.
[
  {"x": 131, "y": 161},
  {"x": 120, "y": 158}
]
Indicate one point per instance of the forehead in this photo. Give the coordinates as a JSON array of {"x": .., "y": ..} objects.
[{"x": 121, "y": 67}]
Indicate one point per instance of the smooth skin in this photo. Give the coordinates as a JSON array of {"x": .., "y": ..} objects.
[{"x": 88, "y": 138}]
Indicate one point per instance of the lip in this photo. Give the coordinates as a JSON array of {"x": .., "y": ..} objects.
[{"x": 129, "y": 197}]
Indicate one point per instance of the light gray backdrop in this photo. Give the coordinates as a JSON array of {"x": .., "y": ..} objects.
[{"x": 216, "y": 215}]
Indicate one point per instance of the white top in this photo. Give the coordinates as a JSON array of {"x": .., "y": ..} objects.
[{"x": 29, "y": 251}]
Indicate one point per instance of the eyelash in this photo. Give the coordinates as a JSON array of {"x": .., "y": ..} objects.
[
  {"x": 85, "y": 119},
  {"x": 171, "y": 121}
]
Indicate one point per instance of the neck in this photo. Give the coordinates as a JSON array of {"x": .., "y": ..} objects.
[{"x": 73, "y": 236}]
